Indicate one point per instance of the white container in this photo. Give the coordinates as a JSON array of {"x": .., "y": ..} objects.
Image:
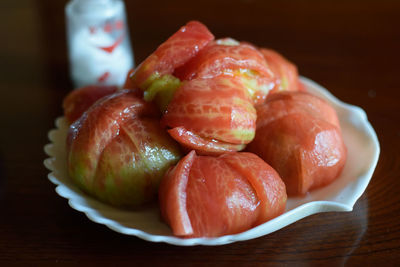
[{"x": 98, "y": 42}]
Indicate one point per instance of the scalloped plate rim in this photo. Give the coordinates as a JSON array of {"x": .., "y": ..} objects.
[{"x": 275, "y": 224}]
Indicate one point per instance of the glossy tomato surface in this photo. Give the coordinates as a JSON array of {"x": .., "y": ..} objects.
[
  {"x": 216, "y": 110},
  {"x": 216, "y": 59},
  {"x": 299, "y": 136},
  {"x": 205, "y": 196},
  {"x": 173, "y": 53},
  {"x": 229, "y": 57},
  {"x": 117, "y": 150},
  {"x": 286, "y": 77},
  {"x": 79, "y": 100}
]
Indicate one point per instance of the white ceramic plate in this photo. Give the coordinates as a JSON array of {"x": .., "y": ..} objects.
[{"x": 341, "y": 195}]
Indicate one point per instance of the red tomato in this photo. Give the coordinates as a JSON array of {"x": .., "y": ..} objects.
[
  {"x": 299, "y": 136},
  {"x": 285, "y": 103},
  {"x": 203, "y": 146},
  {"x": 216, "y": 59},
  {"x": 79, "y": 100},
  {"x": 173, "y": 53},
  {"x": 172, "y": 196},
  {"x": 216, "y": 110},
  {"x": 206, "y": 196},
  {"x": 128, "y": 83},
  {"x": 240, "y": 60},
  {"x": 117, "y": 150},
  {"x": 286, "y": 75}
]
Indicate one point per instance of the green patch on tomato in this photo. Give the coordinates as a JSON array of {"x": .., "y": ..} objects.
[
  {"x": 161, "y": 90},
  {"x": 246, "y": 135},
  {"x": 252, "y": 84}
]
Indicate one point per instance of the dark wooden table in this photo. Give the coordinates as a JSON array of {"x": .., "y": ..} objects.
[{"x": 350, "y": 47}]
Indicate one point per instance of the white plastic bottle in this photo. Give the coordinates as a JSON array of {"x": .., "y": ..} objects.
[{"x": 98, "y": 41}]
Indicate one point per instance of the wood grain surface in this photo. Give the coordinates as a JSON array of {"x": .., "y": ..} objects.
[{"x": 350, "y": 47}]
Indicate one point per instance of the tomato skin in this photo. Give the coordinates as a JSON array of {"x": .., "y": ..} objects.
[
  {"x": 285, "y": 103},
  {"x": 172, "y": 195},
  {"x": 128, "y": 83},
  {"x": 299, "y": 136},
  {"x": 79, "y": 100},
  {"x": 191, "y": 141},
  {"x": 204, "y": 196},
  {"x": 269, "y": 187},
  {"x": 117, "y": 151},
  {"x": 240, "y": 60},
  {"x": 216, "y": 109},
  {"x": 216, "y": 59},
  {"x": 173, "y": 53},
  {"x": 286, "y": 77}
]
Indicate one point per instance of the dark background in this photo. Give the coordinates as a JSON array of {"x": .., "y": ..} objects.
[{"x": 350, "y": 47}]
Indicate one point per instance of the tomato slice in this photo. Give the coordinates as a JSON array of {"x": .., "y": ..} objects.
[
  {"x": 202, "y": 146},
  {"x": 173, "y": 53},
  {"x": 172, "y": 196}
]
